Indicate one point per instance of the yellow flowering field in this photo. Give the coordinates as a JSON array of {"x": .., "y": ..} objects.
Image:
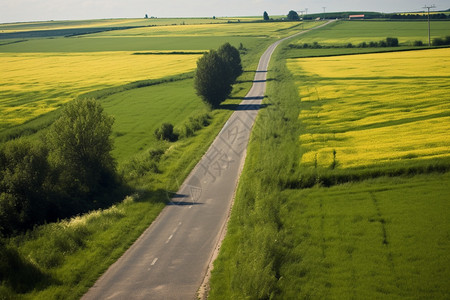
[
  {"x": 33, "y": 84},
  {"x": 274, "y": 29},
  {"x": 370, "y": 109}
]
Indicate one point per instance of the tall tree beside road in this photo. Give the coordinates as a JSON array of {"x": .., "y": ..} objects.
[
  {"x": 216, "y": 72},
  {"x": 232, "y": 59}
]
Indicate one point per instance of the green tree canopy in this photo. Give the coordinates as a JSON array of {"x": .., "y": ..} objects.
[
  {"x": 266, "y": 16},
  {"x": 23, "y": 172},
  {"x": 232, "y": 59},
  {"x": 293, "y": 16},
  {"x": 212, "y": 79},
  {"x": 80, "y": 146}
]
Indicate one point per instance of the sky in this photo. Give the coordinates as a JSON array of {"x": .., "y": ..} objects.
[{"x": 44, "y": 10}]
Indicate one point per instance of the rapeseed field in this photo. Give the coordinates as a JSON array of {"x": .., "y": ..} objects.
[
  {"x": 370, "y": 109},
  {"x": 33, "y": 84}
]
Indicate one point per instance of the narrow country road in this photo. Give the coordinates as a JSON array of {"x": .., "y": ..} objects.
[{"x": 171, "y": 258}]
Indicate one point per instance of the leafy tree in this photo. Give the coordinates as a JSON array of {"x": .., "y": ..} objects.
[
  {"x": 24, "y": 170},
  {"x": 293, "y": 16},
  {"x": 266, "y": 16},
  {"x": 232, "y": 59},
  {"x": 80, "y": 146},
  {"x": 212, "y": 79}
]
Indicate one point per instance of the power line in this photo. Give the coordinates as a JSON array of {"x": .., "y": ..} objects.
[{"x": 429, "y": 27}]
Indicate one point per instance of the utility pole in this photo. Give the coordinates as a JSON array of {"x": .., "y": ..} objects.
[
  {"x": 324, "y": 12},
  {"x": 429, "y": 28},
  {"x": 303, "y": 21}
]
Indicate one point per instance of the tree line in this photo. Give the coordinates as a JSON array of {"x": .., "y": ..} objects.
[{"x": 68, "y": 171}]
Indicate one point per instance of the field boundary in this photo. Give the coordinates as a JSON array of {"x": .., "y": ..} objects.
[{"x": 374, "y": 52}]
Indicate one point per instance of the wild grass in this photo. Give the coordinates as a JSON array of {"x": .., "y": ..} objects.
[
  {"x": 355, "y": 103},
  {"x": 64, "y": 253}
]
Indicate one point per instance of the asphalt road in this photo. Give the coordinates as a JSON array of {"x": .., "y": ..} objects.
[{"x": 171, "y": 258}]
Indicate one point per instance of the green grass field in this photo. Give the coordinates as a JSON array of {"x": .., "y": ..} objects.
[
  {"x": 358, "y": 233},
  {"x": 355, "y": 32},
  {"x": 384, "y": 238},
  {"x": 133, "y": 130}
]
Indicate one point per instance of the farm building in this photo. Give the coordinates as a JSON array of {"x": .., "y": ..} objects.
[{"x": 356, "y": 17}]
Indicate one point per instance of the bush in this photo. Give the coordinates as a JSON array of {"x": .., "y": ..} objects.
[
  {"x": 441, "y": 41},
  {"x": 362, "y": 45},
  {"x": 418, "y": 43},
  {"x": 195, "y": 123},
  {"x": 391, "y": 42},
  {"x": 165, "y": 132},
  {"x": 24, "y": 170}
]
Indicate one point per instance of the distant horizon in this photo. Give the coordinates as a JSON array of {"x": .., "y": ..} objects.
[
  {"x": 203, "y": 17},
  {"x": 21, "y": 11}
]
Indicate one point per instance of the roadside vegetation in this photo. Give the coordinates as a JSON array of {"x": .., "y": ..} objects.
[
  {"x": 306, "y": 224},
  {"x": 63, "y": 259}
]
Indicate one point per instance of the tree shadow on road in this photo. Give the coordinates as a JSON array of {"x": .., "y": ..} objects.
[
  {"x": 247, "y": 98},
  {"x": 256, "y": 81},
  {"x": 242, "y": 107}
]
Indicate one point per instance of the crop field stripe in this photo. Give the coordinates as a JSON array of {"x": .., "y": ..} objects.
[{"x": 336, "y": 86}]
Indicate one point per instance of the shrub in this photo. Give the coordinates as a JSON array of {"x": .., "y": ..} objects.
[
  {"x": 165, "y": 132},
  {"x": 23, "y": 171},
  {"x": 391, "y": 42},
  {"x": 195, "y": 123},
  {"x": 441, "y": 41},
  {"x": 418, "y": 43},
  {"x": 362, "y": 45}
]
